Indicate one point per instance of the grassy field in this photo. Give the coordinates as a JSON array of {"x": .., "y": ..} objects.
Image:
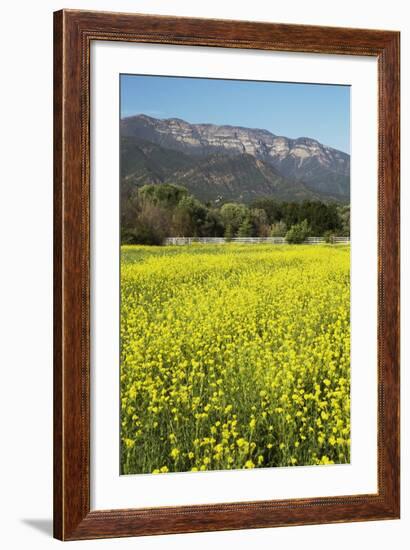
[{"x": 234, "y": 356}]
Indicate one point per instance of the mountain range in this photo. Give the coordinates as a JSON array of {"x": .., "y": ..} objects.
[{"x": 230, "y": 163}]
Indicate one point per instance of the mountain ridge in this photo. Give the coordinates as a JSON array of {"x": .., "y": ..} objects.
[{"x": 303, "y": 164}]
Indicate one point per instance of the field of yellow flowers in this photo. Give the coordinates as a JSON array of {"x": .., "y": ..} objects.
[{"x": 234, "y": 356}]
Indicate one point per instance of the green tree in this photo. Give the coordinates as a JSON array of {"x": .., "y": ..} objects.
[
  {"x": 291, "y": 213},
  {"x": 344, "y": 216},
  {"x": 259, "y": 221},
  {"x": 188, "y": 217},
  {"x": 213, "y": 225},
  {"x": 272, "y": 208},
  {"x": 298, "y": 233},
  {"x": 245, "y": 229},
  {"x": 166, "y": 195},
  {"x": 233, "y": 214}
]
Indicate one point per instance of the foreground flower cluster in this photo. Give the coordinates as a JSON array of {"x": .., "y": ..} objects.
[{"x": 234, "y": 356}]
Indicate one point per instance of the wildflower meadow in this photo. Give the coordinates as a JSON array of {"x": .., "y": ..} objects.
[{"x": 234, "y": 356}]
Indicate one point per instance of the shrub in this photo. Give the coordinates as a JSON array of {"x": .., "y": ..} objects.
[
  {"x": 329, "y": 236},
  {"x": 143, "y": 234},
  {"x": 298, "y": 233}
]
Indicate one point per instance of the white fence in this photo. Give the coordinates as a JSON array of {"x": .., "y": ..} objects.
[{"x": 250, "y": 240}]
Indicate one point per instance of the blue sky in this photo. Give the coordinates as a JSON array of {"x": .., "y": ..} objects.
[{"x": 319, "y": 111}]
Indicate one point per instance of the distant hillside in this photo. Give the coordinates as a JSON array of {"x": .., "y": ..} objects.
[{"x": 219, "y": 163}]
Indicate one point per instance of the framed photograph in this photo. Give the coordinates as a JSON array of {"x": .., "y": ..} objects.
[{"x": 226, "y": 275}]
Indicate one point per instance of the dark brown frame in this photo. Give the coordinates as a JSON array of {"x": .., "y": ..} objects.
[{"x": 73, "y": 33}]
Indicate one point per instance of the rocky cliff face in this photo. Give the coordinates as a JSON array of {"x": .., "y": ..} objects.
[{"x": 322, "y": 169}]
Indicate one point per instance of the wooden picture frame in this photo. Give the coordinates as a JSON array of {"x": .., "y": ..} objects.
[{"x": 74, "y": 32}]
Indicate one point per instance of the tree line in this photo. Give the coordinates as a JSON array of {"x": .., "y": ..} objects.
[{"x": 154, "y": 212}]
